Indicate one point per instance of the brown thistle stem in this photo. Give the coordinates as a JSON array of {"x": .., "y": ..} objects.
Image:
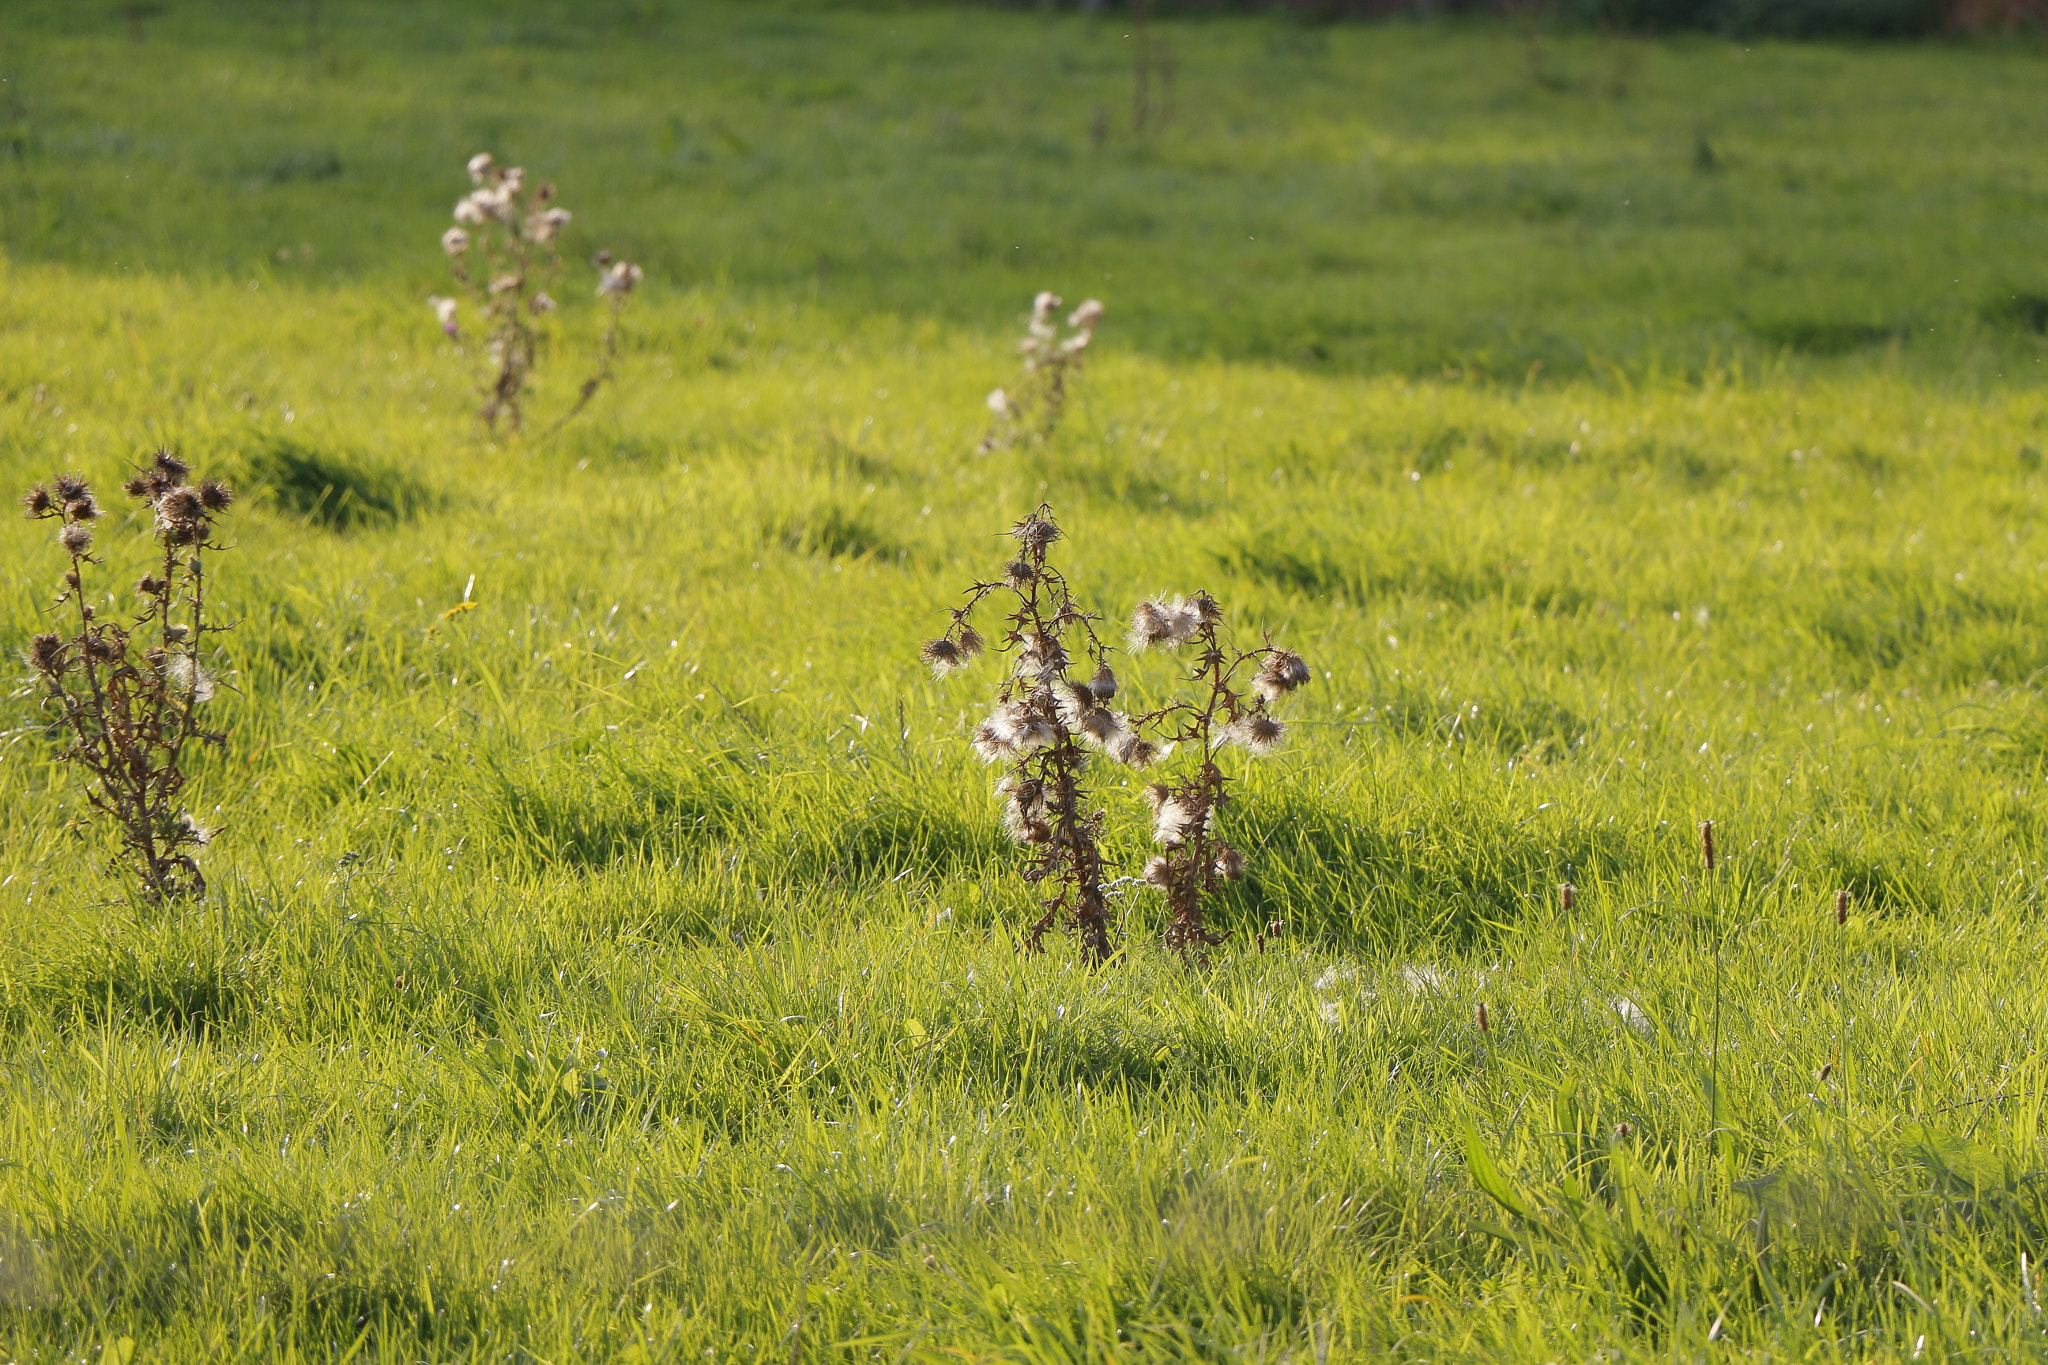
[{"x": 1043, "y": 731}]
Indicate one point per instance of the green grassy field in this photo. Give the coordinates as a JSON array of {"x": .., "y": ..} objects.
[{"x": 622, "y": 967}]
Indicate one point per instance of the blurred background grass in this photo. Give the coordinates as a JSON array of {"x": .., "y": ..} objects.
[
  {"x": 615, "y": 967},
  {"x": 1420, "y": 197}
]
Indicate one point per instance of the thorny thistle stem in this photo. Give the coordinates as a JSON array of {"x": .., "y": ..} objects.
[
  {"x": 512, "y": 235},
  {"x": 127, "y": 697},
  {"x": 1196, "y": 862},
  {"x": 1034, "y": 407},
  {"x": 1044, "y": 730}
]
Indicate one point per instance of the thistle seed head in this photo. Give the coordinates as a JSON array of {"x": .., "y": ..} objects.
[
  {"x": 70, "y": 488},
  {"x": 45, "y": 655},
  {"x": 480, "y": 167},
  {"x": 970, "y": 642},
  {"x": 102, "y": 647},
  {"x": 1040, "y": 654},
  {"x": 1019, "y": 574},
  {"x": 1173, "y": 821},
  {"x": 75, "y": 539},
  {"x": 1156, "y": 795},
  {"x": 1158, "y": 872},
  {"x": 1282, "y": 672},
  {"x": 1036, "y": 532},
  {"x": 998, "y": 402},
  {"x": 943, "y": 655},
  {"x": 995, "y": 739},
  {"x": 1159, "y": 624},
  {"x": 180, "y": 504},
  {"x": 1138, "y": 754},
  {"x": 190, "y": 831},
  {"x": 1025, "y": 811},
  {"x": 82, "y": 509},
  {"x": 192, "y": 678},
  {"x": 214, "y": 495},
  {"x": 1229, "y": 863},
  {"x": 455, "y": 241},
  {"x": 167, "y": 465},
  {"x": 1106, "y": 729},
  {"x": 1087, "y": 315},
  {"x": 38, "y": 502},
  {"x": 1258, "y": 732},
  {"x": 1035, "y": 734},
  {"x": 618, "y": 278},
  {"x": 1103, "y": 684}
]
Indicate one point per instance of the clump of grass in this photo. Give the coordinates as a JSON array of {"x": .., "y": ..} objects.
[
  {"x": 338, "y": 490},
  {"x": 1043, "y": 730},
  {"x": 1033, "y": 407},
  {"x": 512, "y": 236},
  {"x": 1225, "y": 710},
  {"x": 129, "y": 698}
]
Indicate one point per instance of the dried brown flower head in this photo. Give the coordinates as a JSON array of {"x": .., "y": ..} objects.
[
  {"x": 1229, "y": 863},
  {"x": 46, "y": 653},
  {"x": 1282, "y": 671},
  {"x": 1258, "y": 732},
  {"x": 943, "y": 655}
]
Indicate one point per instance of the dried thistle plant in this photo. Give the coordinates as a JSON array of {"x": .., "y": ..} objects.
[
  {"x": 128, "y": 698},
  {"x": 1051, "y": 363},
  {"x": 505, "y": 253},
  {"x": 1227, "y": 709},
  {"x": 1046, "y": 728}
]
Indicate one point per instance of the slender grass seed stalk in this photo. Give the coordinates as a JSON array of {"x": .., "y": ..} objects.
[{"x": 128, "y": 699}]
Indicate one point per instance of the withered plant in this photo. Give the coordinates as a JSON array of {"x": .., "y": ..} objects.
[
  {"x": 1046, "y": 728},
  {"x": 505, "y": 252},
  {"x": 1234, "y": 693},
  {"x": 128, "y": 698},
  {"x": 1033, "y": 407}
]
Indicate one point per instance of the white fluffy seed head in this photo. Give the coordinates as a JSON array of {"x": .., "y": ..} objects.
[{"x": 1259, "y": 733}]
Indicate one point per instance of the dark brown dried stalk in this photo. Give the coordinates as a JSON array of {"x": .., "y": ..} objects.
[
  {"x": 128, "y": 698},
  {"x": 1044, "y": 729},
  {"x": 1196, "y": 862}
]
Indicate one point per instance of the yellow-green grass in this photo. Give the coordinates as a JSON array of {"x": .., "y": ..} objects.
[{"x": 621, "y": 966}]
